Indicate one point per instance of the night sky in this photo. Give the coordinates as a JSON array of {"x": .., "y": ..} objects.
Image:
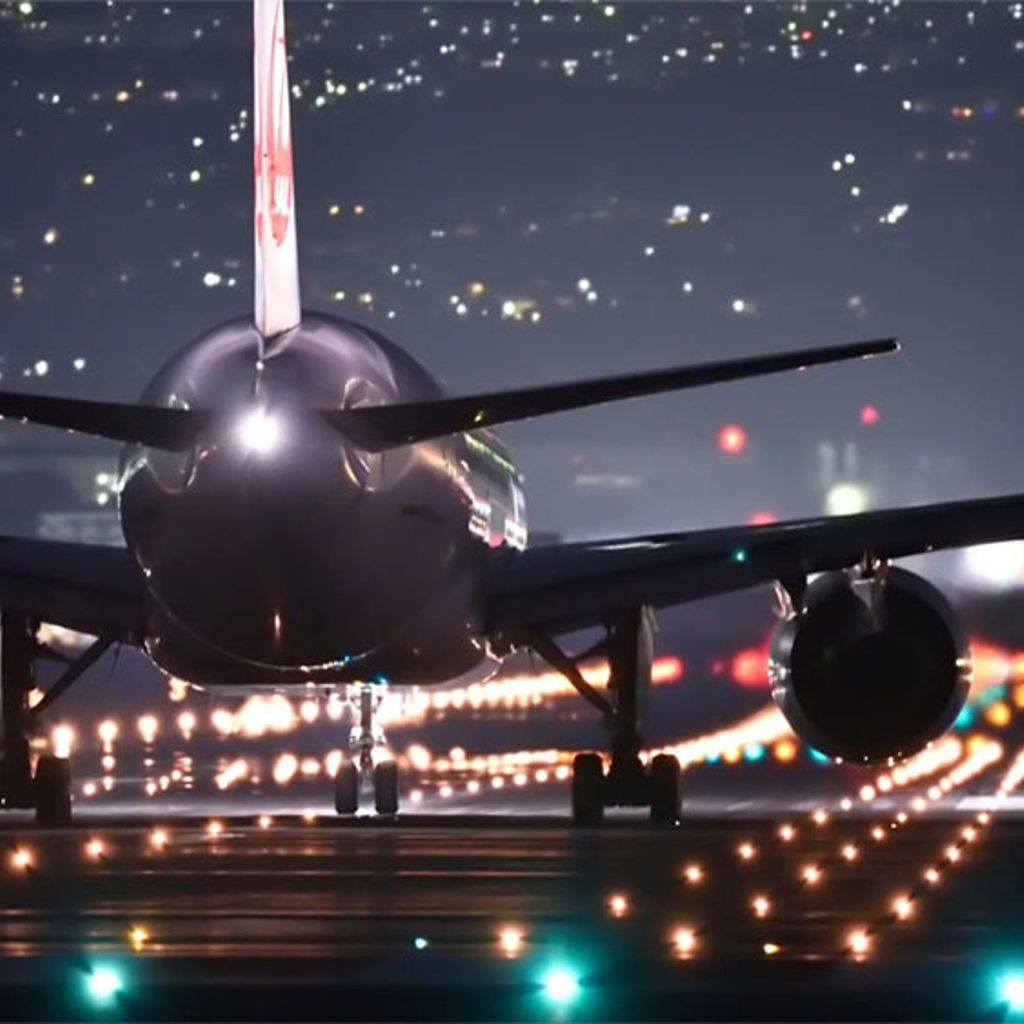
[{"x": 531, "y": 192}]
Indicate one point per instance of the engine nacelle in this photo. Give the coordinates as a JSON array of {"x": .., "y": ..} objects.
[{"x": 870, "y": 670}]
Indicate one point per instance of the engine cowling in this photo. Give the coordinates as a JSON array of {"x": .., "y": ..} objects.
[{"x": 870, "y": 670}]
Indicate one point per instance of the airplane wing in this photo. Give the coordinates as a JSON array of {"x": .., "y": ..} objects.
[
  {"x": 89, "y": 588},
  {"x": 572, "y": 586}
]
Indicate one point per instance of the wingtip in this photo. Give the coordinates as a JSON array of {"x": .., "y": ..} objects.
[{"x": 883, "y": 347}]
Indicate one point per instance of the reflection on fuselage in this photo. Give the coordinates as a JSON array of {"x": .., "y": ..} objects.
[{"x": 277, "y": 550}]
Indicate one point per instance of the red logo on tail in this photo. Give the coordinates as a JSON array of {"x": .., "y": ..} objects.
[{"x": 274, "y": 142}]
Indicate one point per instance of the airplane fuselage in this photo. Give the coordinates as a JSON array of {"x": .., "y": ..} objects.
[{"x": 277, "y": 551}]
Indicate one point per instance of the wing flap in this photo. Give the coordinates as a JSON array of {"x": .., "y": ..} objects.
[{"x": 572, "y": 586}]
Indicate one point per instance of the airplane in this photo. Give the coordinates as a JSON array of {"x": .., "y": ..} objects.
[{"x": 302, "y": 504}]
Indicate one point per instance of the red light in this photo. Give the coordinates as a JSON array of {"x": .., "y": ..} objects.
[
  {"x": 750, "y": 667},
  {"x": 732, "y": 439},
  {"x": 762, "y": 518},
  {"x": 869, "y": 415},
  {"x": 807, "y": 35}
]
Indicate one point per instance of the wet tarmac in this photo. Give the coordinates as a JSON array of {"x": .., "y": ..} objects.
[{"x": 486, "y": 916}]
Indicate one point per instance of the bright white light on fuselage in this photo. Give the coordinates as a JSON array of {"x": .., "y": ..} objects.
[{"x": 259, "y": 432}]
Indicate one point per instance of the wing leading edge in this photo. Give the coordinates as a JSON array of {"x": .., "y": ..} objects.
[{"x": 572, "y": 586}]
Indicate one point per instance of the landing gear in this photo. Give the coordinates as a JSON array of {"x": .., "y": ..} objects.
[
  {"x": 664, "y": 782},
  {"x": 17, "y": 648},
  {"x": 53, "y": 791},
  {"x": 385, "y": 787},
  {"x": 627, "y": 783},
  {"x": 346, "y": 789},
  {"x": 49, "y": 792},
  {"x": 361, "y": 772},
  {"x": 587, "y": 789}
]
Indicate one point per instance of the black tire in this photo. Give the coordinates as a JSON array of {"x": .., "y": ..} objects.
[
  {"x": 346, "y": 789},
  {"x": 52, "y": 791},
  {"x": 666, "y": 789},
  {"x": 587, "y": 789},
  {"x": 385, "y": 787}
]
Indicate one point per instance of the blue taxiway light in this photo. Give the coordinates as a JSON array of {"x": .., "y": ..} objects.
[
  {"x": 561, "y": 985},
  {"x": 103, "y": 983},
  {"x": 1011, "y": 991}
]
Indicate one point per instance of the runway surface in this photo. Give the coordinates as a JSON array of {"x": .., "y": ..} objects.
[
  {"x": 490, "y": 917},
  {"x": 792, "y": 889}
]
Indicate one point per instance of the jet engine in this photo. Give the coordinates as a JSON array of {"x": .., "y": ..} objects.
[{"x": 870, "y": 669}]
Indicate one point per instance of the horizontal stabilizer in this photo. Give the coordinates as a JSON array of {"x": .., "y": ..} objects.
[
  {"x": 387, "y": 426},
  {"x": 376, "y": 428},
  {"x": 172, "y": 429}
]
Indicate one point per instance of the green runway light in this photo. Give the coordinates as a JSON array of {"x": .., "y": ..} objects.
[
  {"x": 420, "y": 942},
  {"x": 561, "y": 985},
  {"x": 103, "y": 984},
  {"x": 1011, "y": 992}
]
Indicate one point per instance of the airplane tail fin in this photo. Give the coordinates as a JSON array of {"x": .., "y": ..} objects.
[
  {"x": 277, "y": 304},
  {"x": 386, "y": 426}
]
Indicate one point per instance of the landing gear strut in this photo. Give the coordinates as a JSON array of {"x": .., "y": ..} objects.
[
  {"x": 49, "y": 791},
  {"x": 627, "y": 783},
  {"x": 17, "y": 647},
  {"x": 361, "y": 772}
]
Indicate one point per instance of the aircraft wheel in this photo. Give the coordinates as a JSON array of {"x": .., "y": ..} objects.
[
  {"x": 587, "y": 789},
  {"x": 385, "y": 787},
  {"x": 666, "y": 789},
  {"x": 346, "y": 789},
  {"x": 53, "y": 791}
]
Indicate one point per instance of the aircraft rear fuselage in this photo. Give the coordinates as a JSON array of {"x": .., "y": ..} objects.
[{"x": 276, "y": 549}]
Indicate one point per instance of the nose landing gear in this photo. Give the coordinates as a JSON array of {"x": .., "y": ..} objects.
[{"x": 360, "y": 772}]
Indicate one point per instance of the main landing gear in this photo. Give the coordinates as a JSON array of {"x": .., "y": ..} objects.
[
  {"x": 49, "y": 790},
  {"x": 628, "y": 646},
  {"x": 361, "y": 772}
]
